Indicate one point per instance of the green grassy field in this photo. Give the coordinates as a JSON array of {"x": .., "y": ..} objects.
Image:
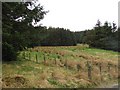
[{"x": 61, "y": 67}]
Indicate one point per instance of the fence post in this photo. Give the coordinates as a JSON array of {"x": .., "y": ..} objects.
[
  {"x": 109, "y": 70},
  {"x": 66, "y": 64},
  {"x": 39, "y": 57},
  {"x": 29, "y": 56},
  {"x": 44, "y": 59},
  {"x": 36, "y": 58},
  {"x": 23, "y": 54},
  {"x": 116, "y": 68},
  {"x": 89, "y": 70},
  {"x": 100, "y": 68},
  {"x": 78, "y": 67}
]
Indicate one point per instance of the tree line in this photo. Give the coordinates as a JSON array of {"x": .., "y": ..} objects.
[
  {"x": 19, "y": 33},
  {"x": 51, "y": 37},
  {"x": 101, "y": 36}
]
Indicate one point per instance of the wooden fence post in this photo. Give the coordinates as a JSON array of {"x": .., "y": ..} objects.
[
  {"x": 100, "y": 68},
  {"x": 44, "y": 59},
  {"x": 23, "y": 54},
  {"x": 89, "y": 70},
  {"x": 29, "y": 56},
  {"x": 66, "y": 64},
  {"x": 109, "y": 70},
  {"x": 36, "y": 57},
  {"x": 78, "y": 67},
  {"x": 116, "y": 68}
]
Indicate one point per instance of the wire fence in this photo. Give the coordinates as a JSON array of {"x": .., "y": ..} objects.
[{"x": 46, "y": 59}]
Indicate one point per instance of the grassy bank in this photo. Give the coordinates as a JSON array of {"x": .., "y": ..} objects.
[{"x": 61, "y": 67}]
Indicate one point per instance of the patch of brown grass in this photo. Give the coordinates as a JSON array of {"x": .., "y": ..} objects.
[
  {"x": 81, "y": 75},
  {"x": 82, "y": 64},
  {"x": 71, "y": 64},
  {"x": 14, "y": 82},
  {"x": 44, "y": 84},
  {"x": 96, "y": 77},
  {"x": 58, "y": 75},
  {"x": 43, "y": 76},
  {"x": 84, "y": 82},
  {"x": 96, "y": 70},
  {"x": 113, "y": 73}
]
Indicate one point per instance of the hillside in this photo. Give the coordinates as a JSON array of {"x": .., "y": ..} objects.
[{"x": 61, "y": 67}]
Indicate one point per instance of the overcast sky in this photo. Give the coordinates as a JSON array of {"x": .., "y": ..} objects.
[{"x": 78, "y": 15}]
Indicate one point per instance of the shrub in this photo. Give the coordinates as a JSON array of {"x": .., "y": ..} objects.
[{"x": 8, "y": 52}]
